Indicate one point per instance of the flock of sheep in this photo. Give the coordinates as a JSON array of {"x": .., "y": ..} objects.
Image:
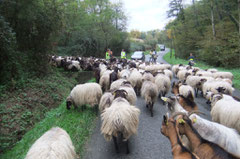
[{"x": 114, "y": 95}]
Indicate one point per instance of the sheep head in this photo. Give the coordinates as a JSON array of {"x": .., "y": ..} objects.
[
  {"x": 68, "y": 102},
  {"x": 120, "y": 93}
]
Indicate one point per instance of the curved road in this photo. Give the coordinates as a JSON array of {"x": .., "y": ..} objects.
[{"x": 149, "y": 143}]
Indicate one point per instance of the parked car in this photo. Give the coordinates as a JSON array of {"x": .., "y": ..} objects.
[
  {"x": 162, "y": 47},
  {"x": 138, "y": 55}
]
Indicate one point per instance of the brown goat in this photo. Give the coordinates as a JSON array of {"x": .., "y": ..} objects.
[
  {"x": 187, "y": 102},
  {"x": 175, "y": 88},
  {"x": 201, "y": 147},
  {"x": 168, "y": 129}
]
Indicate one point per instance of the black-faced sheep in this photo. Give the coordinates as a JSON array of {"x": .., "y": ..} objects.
[{"x": 120, "y": 119}]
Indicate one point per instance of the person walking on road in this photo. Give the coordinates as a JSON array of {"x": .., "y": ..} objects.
[
  {"x": 107, "y": 54},
  {"x": 191, "y": 60},
  {"x": 154, "y": 56},
  {"x": 123, "y": 54}
]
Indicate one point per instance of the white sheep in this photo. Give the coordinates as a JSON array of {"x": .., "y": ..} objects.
[
  {"x": 105, "y": 101},
  {"x": 84, "y": 94},
  {"x": 147, "y": 76},
  {"x": 212, "y": 70},
  {"x": 120, "y": 117},
  {"x": 53, "y": 144},
  {"x": 164, "y": 83},
  {"x": 226, "y": 112},
  {"x": 124, "y": 74},
  {"x": 131, "y": 95},
  {"x": 105, "y": 80},
  {"x": 135, "y": 79},
  {"x": 116, "y": 84},
  {"x": 149, "y": 92},
  {"x": 228, "y": 75},
  {"x": 184, "y": 90},
  {"x": 168, "y": 73},
  {"x": 181, "y": 75},
  {"x": 204, "y": 73}
]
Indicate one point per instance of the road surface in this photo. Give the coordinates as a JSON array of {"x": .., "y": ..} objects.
[{"x": 149, "y": 143}]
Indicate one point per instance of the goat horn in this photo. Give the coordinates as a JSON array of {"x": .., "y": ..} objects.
[
  {"x": 195, "y": 111},
  {"x": 178, "y": 113}
]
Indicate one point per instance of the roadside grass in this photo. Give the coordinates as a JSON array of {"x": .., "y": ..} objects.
[
  {"x": 78, "y": 124},
  {"x": 235, "y": 71}
]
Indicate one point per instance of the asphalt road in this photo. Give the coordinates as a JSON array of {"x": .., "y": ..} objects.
[{"x": 149, "y": 143}]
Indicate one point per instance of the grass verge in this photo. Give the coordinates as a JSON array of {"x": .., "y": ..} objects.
[
  {"x": 38, "y": 107},
  {"x": 202, "y": 65}
]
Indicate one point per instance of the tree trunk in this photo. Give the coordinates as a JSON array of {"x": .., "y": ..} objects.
[
  {"x": 239, "y": 16},
  {"x": 195, "y": 13},
  {"x": 213, "y": 21}
]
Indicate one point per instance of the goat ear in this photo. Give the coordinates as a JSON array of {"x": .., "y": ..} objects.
[
  {"x": 190, "y": 96},
  {"x": 165, "y": 120},
  {"x": 181, "y": 121}
]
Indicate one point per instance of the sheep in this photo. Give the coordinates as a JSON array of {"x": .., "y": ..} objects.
[
  {"x": 182, "y": 89},
  {"x": 181, "y": 75},
  {"x": 201, "y": 147},
  {"x": 147, "y": 76},
  {"x": 226, "y": 112},
  {"x": 113, "y": 76},
  {"x": 204, "y": 73},
  {"x": 124, "y": 74},
  {"x": 168, "y": 129},
  {"x": 105, "y": 80},
  {"x": 228, "y": 75},
  {"x": 105, "y": 101},
  {"x": 55, "y": 143},
  {"x": 135, "y": 79},
  {"x": 149, "y": 92},
  {"x": 163, "y": 82},
  {"x": 83, "y": 94},
  {"x": 194, "y": 82},
  {"x": 120, "y": 118},
  {"x": 168, "y": 73},
  {"x": 116, "y": 84},
  {"x": 212, "y": 70},
  {"x": 131, "y": 95}
]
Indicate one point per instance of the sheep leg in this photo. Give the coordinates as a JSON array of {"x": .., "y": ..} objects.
[
  {"x": 146, "y": 105},
  {"x": 96, "y": 109},
  {"x": 115, "y": 144},
  {"x": 151, "y": 109},
  {"x": 196, "y": 92},
  {"x": 127, "y": 147}
]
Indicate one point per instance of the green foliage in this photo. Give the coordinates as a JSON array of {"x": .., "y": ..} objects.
[
  {"x": 192, "y": 32},
  {"x": 78, "y": 125}
]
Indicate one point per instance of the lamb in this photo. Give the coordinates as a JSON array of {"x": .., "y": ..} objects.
[
  {"x": 163, "y": 82},
  {"x": 131, "y": 95},
  {"x": 149, "y": 92},
  {"x": 83, "y": 94},
  {"x": 55, "y": 143},
  {"x": 105, "y": 101},
  {"x": 226, "y": 112},
  {"x": 135, "y": 79},
  {"x": 120, "y": 118}
]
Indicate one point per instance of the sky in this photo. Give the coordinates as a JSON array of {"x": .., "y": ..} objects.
[{"x": 145, "y": 15}]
